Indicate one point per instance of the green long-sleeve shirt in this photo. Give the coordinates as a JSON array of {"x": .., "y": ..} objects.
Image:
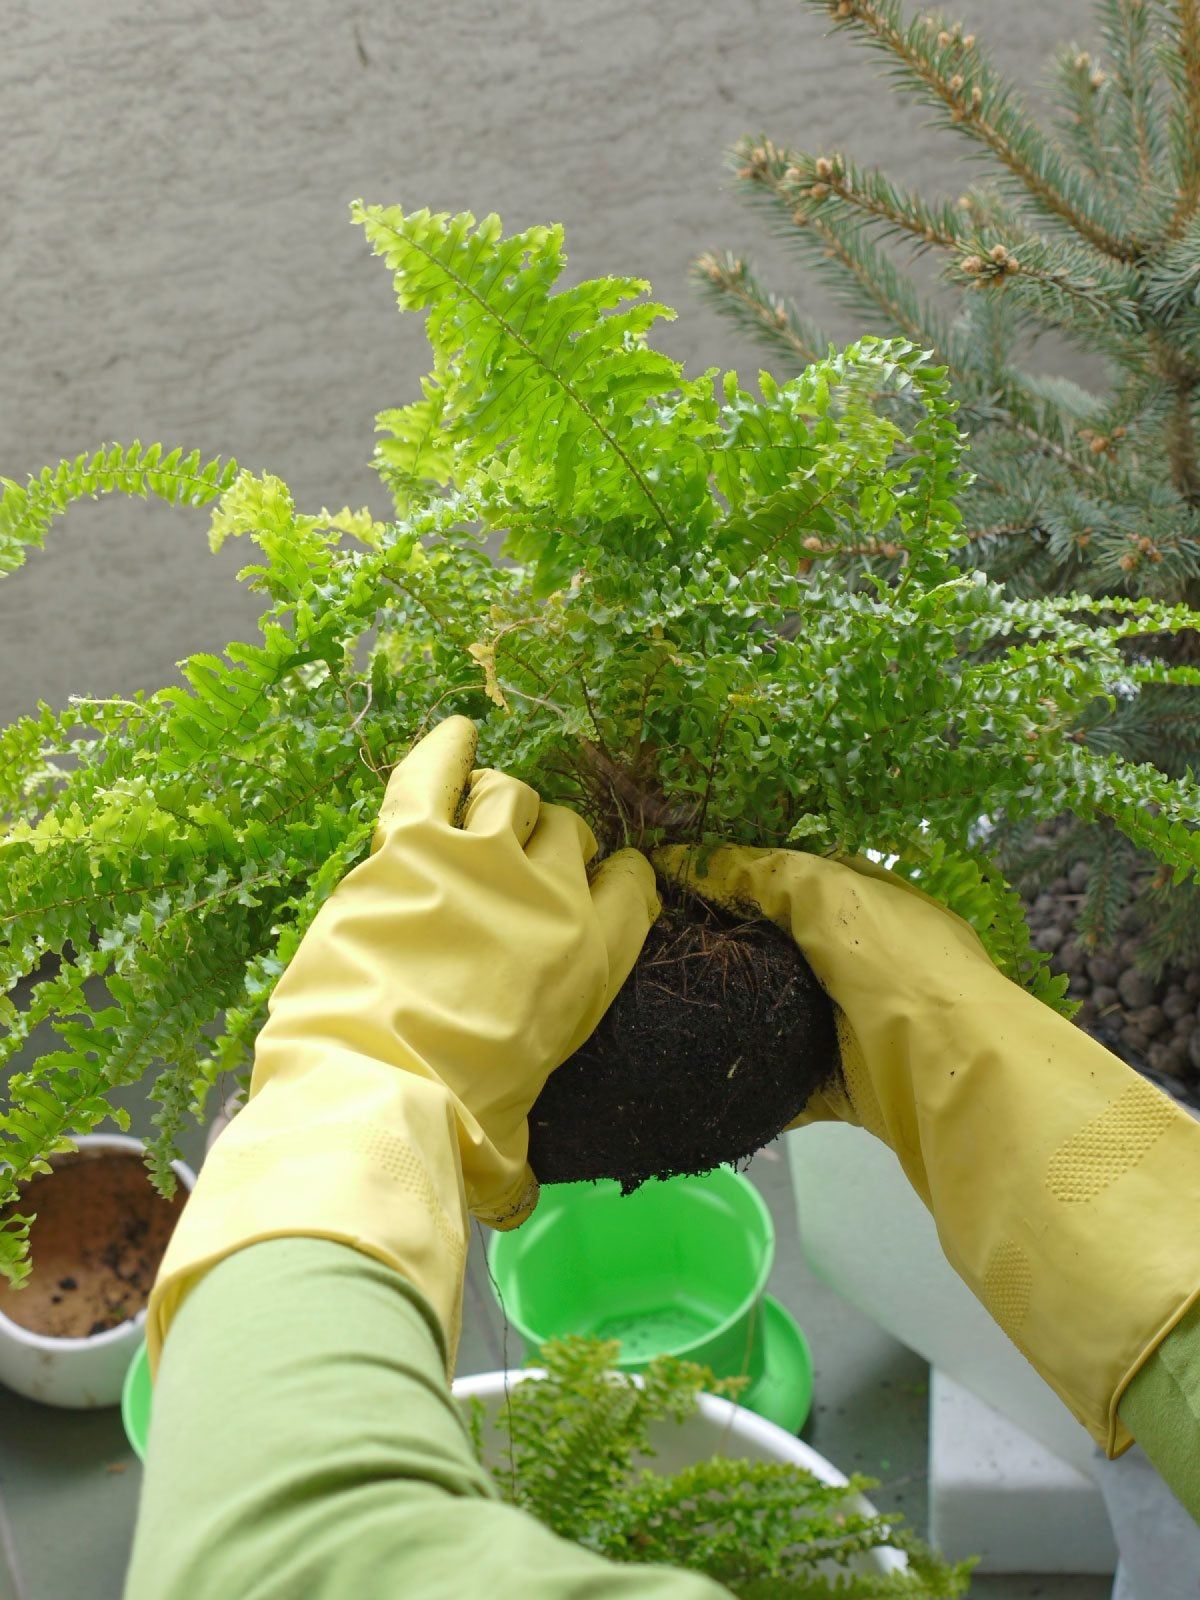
[{"x": 305, "y": 1447}]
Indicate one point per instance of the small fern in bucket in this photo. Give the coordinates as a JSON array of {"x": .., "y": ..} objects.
[{"x": 572, "y": 1449}]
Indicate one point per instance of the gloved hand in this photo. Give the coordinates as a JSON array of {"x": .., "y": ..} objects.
[
  {"x": 436, "y": 989},
  {"x": 1065, "y": 1188}
]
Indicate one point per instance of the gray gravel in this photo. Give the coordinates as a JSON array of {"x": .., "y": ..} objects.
[{"x": 1152, "y": 1023}]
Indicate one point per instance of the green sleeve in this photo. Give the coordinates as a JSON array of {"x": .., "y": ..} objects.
[
  {"x": 1161, "y": 1408},
  {"x": 305, "y": 1444}
]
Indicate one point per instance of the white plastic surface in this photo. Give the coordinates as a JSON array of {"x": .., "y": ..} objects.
[
  {"x": 77, "y": 1373},
  {"x": 997, "y": 1493},
  {"x": 865, "y": 1233},
  {"x": 718, "y": 1428}
]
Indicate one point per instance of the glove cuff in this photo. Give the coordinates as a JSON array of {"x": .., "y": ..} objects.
[{"x": 351, "y": 1151}]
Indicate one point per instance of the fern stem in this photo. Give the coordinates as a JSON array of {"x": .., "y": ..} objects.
[
  {"x": 100, "y": 897},
  {"x": 712, "y": 769}
]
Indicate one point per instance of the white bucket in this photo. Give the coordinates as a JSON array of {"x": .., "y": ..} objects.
[{"x": 717, "y": 1428}]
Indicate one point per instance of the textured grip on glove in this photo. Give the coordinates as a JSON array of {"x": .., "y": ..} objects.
[{"x": 1065, "y": 1189}]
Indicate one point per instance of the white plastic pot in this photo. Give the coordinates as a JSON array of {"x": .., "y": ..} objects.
[
  {"x": 717, "y": 1428},
  {"x": 77, "y": 1373}
]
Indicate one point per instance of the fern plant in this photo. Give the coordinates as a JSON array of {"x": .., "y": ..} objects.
[
  {"x": 572, "y": 1451},
  {"x": 1090, "y": 230},
  {"x": 724, "y": 614}
]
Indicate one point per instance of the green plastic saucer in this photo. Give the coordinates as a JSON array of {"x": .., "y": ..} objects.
[
  {"x": 783, "y": 1392},
  {"x": 135, "y": 1401}
]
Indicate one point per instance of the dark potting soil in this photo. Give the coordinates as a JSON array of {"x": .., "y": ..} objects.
[
  {"x": 101, "y": 1230},
  {"x": 714, "y": 1044}
]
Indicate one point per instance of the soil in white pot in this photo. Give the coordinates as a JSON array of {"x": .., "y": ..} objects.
[{"x": 101, "y": 1230}]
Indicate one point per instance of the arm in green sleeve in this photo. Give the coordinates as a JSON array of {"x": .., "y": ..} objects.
[
  {"x": 1161, "y": 1408},
  {"x": 305, "y": 1444}
]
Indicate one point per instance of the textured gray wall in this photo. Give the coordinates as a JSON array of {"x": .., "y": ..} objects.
[{"x": 175, "y": 260}]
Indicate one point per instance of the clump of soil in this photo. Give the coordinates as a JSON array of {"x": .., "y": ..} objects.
[
  {"x": 712, "y": 1047},
  {"x": 101, "y": 1230}
]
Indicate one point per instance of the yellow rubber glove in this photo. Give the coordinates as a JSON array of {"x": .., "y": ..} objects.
[
  {"x": 1065, "y": 1188},
  {"x": 436, "y": 989}
]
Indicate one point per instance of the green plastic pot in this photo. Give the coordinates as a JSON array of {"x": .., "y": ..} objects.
[{"x": 677, "y": 1268}]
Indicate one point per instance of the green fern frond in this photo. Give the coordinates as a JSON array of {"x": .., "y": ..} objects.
[
  {"x": 573, "y": 1445},
  {"x": 26, "y": 511},
  {"x": 722, "y": 613},
  {"x": 556, "y": 378}
]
